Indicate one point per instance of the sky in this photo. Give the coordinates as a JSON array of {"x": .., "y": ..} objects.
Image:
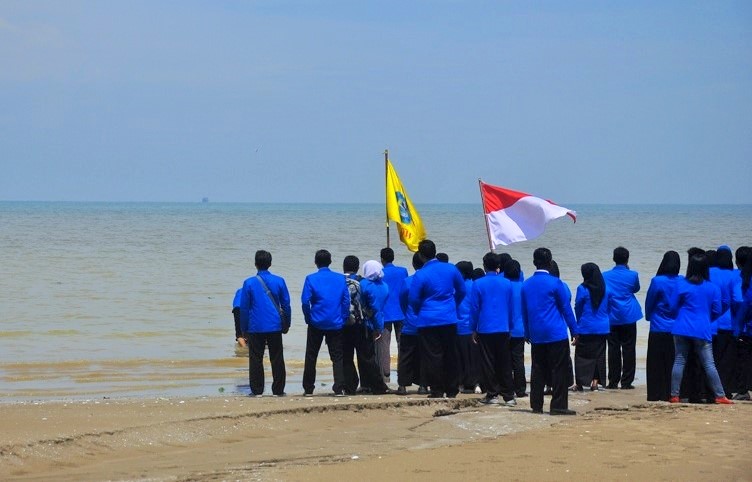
[{"x": 296, "y": 101}]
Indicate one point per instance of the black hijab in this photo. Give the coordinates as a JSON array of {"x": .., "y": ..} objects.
[{"x": 592, "y": 279}]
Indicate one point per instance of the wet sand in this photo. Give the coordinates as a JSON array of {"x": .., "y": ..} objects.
[{"x": 616, "y": 435}]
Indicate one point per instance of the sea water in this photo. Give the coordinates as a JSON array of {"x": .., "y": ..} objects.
[{"x": 134, "y": 299}]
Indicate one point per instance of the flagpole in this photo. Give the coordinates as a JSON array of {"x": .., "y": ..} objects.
[
  {"x": 386, "y": 201},
  {"x": 483, "y": 206}
]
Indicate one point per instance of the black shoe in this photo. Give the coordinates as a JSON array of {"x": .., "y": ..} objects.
[
  {"x": 612, "y": 386},
  {"x": 308, "y": 394},
  {"x": 627, "y": 387},
  {"x": 467, "y": 391},
  {"x": 422, "y": 390},
  {"x": 339, "y": 394},
  {"x": 401, "y": 390},
  {"x": 451, "y": 395},
  {"x": 537, "y": 410},
  {"x": 562, "y": 411},
  {"x": 283, "y": 394},
  {"x": 436, "y": 395},
  {"x": 521, "y": 395}
]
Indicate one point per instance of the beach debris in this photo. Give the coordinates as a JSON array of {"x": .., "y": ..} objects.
[
  {"x": 182, "y": 401},
  {"x": 355, "y": 457},
  {"x": 221, "y": 389}
]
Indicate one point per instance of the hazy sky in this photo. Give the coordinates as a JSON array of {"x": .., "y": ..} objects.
[{"x": 603, "y": 102}]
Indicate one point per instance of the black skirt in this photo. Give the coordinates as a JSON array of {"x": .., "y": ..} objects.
[{"x": 586, "y": 354}]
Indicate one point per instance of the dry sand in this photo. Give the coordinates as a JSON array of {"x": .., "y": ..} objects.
[{"x": 616, "y": 435}]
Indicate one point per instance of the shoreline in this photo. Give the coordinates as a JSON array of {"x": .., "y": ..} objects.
[{"x": 320, "y": 437}]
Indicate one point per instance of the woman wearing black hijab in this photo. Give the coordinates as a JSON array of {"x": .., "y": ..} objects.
[
  {"x": 658, "y": 312},
  {"x": 591, "y": 307}
]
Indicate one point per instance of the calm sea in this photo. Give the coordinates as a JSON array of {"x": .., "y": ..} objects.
[{"x": 134, "y": 299}]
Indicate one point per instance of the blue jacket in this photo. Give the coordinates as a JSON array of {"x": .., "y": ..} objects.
[
  {"x": 373, "y": 296},
  {"x": 518, "y": 326},
  {"x": 464, "y": 323},
  {"x": 696, "y": 308},
  {"x": 261, "y": 316},
  {"x": 659, "y": 301},
  {"x": 591, "y": 322},
  {"x": 730, "y": 284},
  {"x": 393, "y": 277},
  {"x": 743, "y": 316},
  {"x": 325, "y": 299},
  {"x": 491, "y": 304},
  {"x": 409, "y": 326},
  {"x": 623, "y": 283},
  {"x": 546, "y": 309},
  {"x": 435, "y": 294}
]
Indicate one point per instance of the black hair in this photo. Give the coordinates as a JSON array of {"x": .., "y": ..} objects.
[
  {"x": 323, "y": 258},
  {"x": 621, "y": 255},
  {"x": 746, "y": 274},
  {"x": 502, "y": 259},
  {"x": 263, "y": 259},
  {"x": 697, "y": 269},
  {"x": 443, "y": 257},
  {"x": 427, "y": 249},
  {"x": 693, "y": 251},
  {"x": 387, "y": 255},
  {"x": 554, "y": 269},
  {"x": 711, "y": 253},
  {"x": 741, "y": 255},
  {"x": 418, "y": 261},
  {"x": 465, "y": 268},
  {"x": 478, "y": 273},
  {"x": 490, "y": 262},
  {"x": 592, "y": 279},
  {"x": 670, "y": 264},
  {"x": 512, "y": 270},
  {"x": 350, "y": 264},
  {"x": 724, "y": 259},
  {"x": 542, "y": 258}
]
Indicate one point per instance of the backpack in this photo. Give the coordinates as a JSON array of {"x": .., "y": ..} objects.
[{"x": 356, "y": 311}]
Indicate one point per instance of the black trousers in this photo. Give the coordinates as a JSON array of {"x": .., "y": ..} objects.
[
  {"x": 314, "y": 339},
  {"x": 469, "y": 358},
  {"x": 587, "y": 355},
  {"x": 724, "y": 355},
  {"x": 357, "y": 341},
  {"x": 438, "y": 357},
  {"x": 744, "y": 364},
  {"x": 517, "y": 349},
  {"x": 550, "y": 358},
  {"x": 408, "y": 363},
  {"x": 496, "y": 364},
  {"x": 659, "y": 364},
  {"x": 621, "y": 354},
  {"x": 256, "y": 345}
]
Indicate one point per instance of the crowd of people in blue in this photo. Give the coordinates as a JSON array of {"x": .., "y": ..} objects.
[{"x": 460, "y": 329}]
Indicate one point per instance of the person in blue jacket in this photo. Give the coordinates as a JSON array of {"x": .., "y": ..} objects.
[
  {"x": 468, "y": 350},
  {"x": 591, "y": 308},
  {"x": 435, "y": 293},
  {"x": 546, "y": 314},
  {"x": 658, "y": 311},
  {"x": 743, "y": 327},
  {"x": 393, "y": 317},
  {"x": 326, "y": 306},
  {"x": 491, "y": 308},
  {"x": 513, "y": 273},
  {"x": 373, "y": 296},
  {"x": 623, "y": 284},
  {"x": 697, "y": 305},
  {"x": 266, "y": 302},
  {"x": 408, "y": 362},
  {"x": 724, "y": 343}
]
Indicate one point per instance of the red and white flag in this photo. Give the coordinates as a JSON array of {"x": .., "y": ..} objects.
[{"x": 513, "y": 216}]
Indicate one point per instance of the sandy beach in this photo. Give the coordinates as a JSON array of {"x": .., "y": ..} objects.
[{"x": 615, "y": 435}]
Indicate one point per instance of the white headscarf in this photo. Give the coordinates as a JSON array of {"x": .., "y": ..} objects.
[{"x": 373, "y": 270}]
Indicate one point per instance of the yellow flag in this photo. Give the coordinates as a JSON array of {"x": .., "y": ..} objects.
[{"x": 400, "y": 210}]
